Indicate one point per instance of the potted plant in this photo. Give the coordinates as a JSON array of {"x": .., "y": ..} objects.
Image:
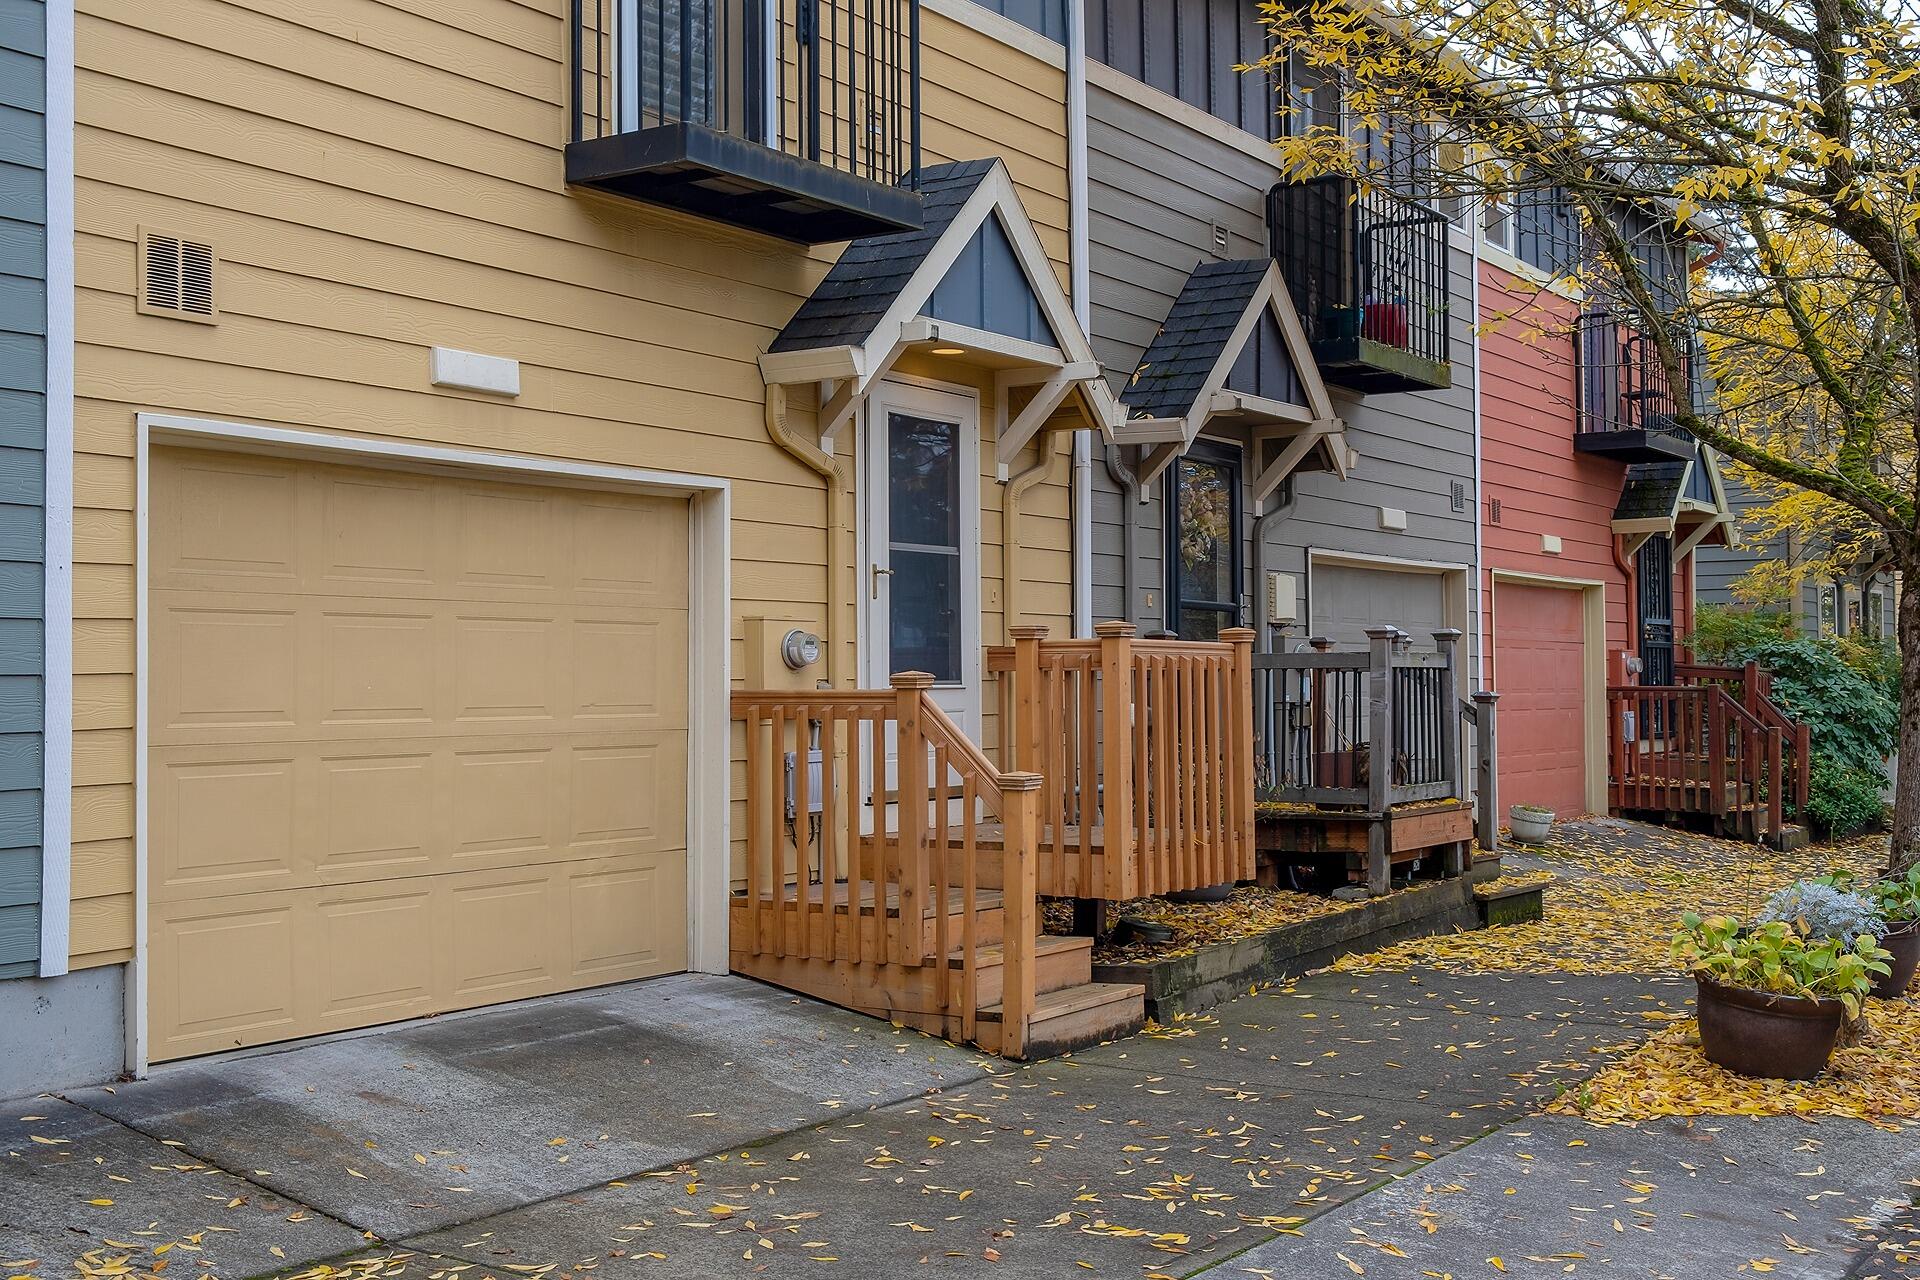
[
  {"x": 1772, "y": 999},
  {"x": 1529, "y": 823},
  {"x": 1898, "y": 898}
]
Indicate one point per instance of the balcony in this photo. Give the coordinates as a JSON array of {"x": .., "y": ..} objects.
[
  {"x": 1627, "y": 409},
  {"x": 797, "y": 118},
  {"x": 1368, "y": 273}
]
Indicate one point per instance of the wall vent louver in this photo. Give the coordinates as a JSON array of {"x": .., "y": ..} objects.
[
  {"x": 1459, "y": 496},
  {"x": 1493, "y": 511},
  {"x": 176, "y": 277}
]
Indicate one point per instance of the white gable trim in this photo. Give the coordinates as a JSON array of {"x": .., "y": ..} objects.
[
  {"x": 852, "y": 371},
  {"x": 1171, "y": 437}
]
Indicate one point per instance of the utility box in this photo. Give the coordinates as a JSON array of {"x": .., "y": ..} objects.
[
  {"x": 1283, "y": 598},
  {"x": 778, "y": 659}
]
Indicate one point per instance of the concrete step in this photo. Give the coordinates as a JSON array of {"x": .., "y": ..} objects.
[
  {"x": 1073, "y": 1018},
  {"x": 1058, "y": 963}
]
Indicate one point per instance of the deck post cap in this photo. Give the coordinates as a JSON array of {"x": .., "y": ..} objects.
[
  {"x": 1108, "y": 630},
  {"x": 1382, "y": 633},
  {"x": 1238, "y": 635},
  {"x": 1485, "y": 695},
  {"x": 1448, "y": 633},
  {"x": 1021, "y": 781},
  {"x": 1027, "y": 633},
  {"x": 912, "y": 680}
]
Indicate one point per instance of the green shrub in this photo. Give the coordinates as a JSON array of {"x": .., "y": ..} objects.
[
  {"x": 1854, "y": 722},
  {"x": 1722, "y": 634},
  {"x": 1842, "y": 800}
]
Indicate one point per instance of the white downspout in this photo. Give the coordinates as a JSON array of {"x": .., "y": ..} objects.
[
  {"x": 1479, "y": 502},
  {"x": 1079, "y": 277}
]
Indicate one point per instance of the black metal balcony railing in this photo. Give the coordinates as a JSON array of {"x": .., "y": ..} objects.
[
  {"x": 1626, "y": 405},
  {"x": 797, "y": 117},
  {"x": 1368, "y": 272}
]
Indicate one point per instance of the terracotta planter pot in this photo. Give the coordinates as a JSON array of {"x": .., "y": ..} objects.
[
  {"x": 1904, "y": 942},
  {"x": 1759, "y": 1034}
]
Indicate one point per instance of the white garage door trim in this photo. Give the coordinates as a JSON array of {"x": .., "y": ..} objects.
[
  {"x": 710, "y": 595},
  {"x": 1593, "y": 635}
]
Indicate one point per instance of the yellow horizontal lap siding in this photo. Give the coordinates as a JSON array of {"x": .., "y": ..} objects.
[{"x": 383, "y": 176}]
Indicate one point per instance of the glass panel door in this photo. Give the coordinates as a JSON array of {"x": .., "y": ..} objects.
[
  {"x": 1203, "y": 546},
  {"x": 920, "y": 607}
]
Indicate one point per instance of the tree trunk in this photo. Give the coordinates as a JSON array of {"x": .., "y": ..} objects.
[{"x": 1906, "y": 791}]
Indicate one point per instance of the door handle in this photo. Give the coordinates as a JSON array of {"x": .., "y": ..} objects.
[{"x": 879, "y": 573}]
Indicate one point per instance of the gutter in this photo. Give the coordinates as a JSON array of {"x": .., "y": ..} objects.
[
  {"x": 820, "y": 462},
  {"x": 1079, "y": 277}
]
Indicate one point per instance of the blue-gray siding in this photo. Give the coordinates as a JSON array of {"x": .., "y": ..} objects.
[
  {"x": 1157, "y": 190},
  {"x": 23, "y": 365}
]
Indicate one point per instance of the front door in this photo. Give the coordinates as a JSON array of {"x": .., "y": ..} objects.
[
  {"x": 920, "y": 589},
  {"x": 1654, "y": 570},
  {"x": 1203, "y": 542}
]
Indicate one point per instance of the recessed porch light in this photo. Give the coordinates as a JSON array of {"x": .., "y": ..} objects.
[{"x": 949, "y": 351}]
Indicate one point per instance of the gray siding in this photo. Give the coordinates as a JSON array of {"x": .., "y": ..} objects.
[
  {"x": 1156, "y": 190},
  {"x": 23, "y": 327}
]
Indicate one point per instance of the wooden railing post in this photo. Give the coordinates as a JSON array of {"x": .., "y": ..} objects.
[
  {"x": 1027, "y": 750},
  {"x": 1379, "y": 755},
  {"x": 1750, "y": 695},
  {"x": 910, "y": 773},
  {"x": 1802, "y": 768},
  {"x": 1717, "y": 760},
  {"x": 1448, "y": 643},
  {"x": 1020, "y": 866},
  {"x": 1120, "y": 874},
  {"x": 1486, "y": 752},
  {"x": 1776, "y": 780},
  {"x": 1240, "y": 752}
]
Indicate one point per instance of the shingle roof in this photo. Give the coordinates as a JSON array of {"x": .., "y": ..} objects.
[
  {"x": 871, "y": 272},
  {"x": 1652, "y": 491},
  {"x": 1193, "y": 338}
]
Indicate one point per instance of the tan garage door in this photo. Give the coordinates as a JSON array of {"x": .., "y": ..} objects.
[{"x": 416, "y": 743}]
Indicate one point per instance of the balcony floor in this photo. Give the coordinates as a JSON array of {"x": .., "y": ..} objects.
[{"x": 729, "y": 179}]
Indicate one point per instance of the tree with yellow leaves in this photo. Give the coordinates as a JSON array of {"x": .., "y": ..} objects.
[{"x": 1777, "y": 141}]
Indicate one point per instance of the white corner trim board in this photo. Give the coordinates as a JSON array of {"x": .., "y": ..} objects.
[
  {"x": 56, "y": 818},
  {"x": 471, "y": 371}
]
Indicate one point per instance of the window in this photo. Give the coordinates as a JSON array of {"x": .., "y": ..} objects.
[
  {"x": 1496, "y": 223},
  {"x": 924, "y": 551},
  {"x": 1203, "y": 544}
]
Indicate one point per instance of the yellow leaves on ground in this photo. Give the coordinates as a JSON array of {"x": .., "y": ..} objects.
[
  {"x": 1247, "y": 912},
  {"x": 1615, "y": 902},
  {"x": 1877, "y": 1080}
]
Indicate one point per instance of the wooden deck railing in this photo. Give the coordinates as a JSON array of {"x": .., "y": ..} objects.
[
  {"x": 1369, "y": 728},
  {"x": 1752, "y": 684},
  {"x": 1146, "y": 751},
  {"x": 1694, "y": 749},
  {"x": 870, "y": 853}
]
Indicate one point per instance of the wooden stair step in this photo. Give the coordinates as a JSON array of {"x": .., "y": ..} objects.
[
  {"x": 1057, "y": 963},
  {"x": 1073, "y": 1018}
]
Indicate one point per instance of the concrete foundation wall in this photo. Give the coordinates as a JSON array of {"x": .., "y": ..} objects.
[{"x": 62, "y": 1033}]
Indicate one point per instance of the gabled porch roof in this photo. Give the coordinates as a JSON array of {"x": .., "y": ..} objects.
[
  {"x": 973, "y": 282},
  {"x": 1685, "y": 499},
  {"x": 1232, "y": 352}
]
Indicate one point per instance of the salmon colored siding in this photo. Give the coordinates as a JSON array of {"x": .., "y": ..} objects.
[{"x": 1529, "y": 463}]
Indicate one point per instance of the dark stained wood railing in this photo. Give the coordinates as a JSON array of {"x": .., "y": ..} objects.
[
  {"x": 1146, "y": 748},
  {"x": 1752, "y": 684},
  {"x": 1694, "y": 749}
]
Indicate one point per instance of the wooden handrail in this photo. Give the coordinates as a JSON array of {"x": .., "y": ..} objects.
[
  {"x": 1677, "y": 748},
  {"x": 845, "y": 866}
]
